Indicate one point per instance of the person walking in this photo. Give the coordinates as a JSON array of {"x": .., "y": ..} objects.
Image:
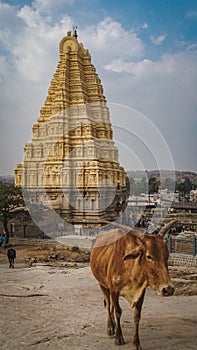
[{"x": 3, "y": 240}]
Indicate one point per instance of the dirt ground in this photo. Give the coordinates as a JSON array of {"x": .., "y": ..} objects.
[{"x": 50, "y": 300}]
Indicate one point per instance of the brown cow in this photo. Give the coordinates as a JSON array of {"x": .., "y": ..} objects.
[{"x": 125, "y": 264}]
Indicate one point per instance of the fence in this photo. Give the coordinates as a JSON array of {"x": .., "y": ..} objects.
[{"x": 183, "y": 245}]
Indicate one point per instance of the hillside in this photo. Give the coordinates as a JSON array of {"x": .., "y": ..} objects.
[{"x": 165, "y": 174}]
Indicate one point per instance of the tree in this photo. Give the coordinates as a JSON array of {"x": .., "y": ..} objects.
[
  {"x": 131, "y": 185},
  {"x": 11, "y": 201},
  {"x": 168, "y": 184},
  {"x": 35, "y": 213},
  {"x": 184, "y": 186},
  {"x": 128, "y": 185},
  {"x": 138, "y": 187},
  {"x": 24, "y": 218},
  {"x": 154, "y": 184}
]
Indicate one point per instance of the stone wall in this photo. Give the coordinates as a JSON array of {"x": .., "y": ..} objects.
[
  {"x": 82, "y": 242},
  {"x": 182, "y": 260},
  {"x": 19, "y": 241}
]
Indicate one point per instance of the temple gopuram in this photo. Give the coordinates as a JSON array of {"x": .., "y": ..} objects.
[{"x": 71, "y": 163}]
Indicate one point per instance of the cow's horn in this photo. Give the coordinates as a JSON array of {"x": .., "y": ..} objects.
[{"x": 167, "y": 227}]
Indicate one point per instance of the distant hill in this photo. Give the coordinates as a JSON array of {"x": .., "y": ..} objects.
[
  {"x": 7, "y": 179},
  {"x": 165, "y": 174},
  {"x": 183, "y": 174}
]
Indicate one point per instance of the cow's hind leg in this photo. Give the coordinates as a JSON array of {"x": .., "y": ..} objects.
[
  {"x": 111, "y": 321},
  {"x": 137, "y": 315},
  {"x": 119, "y": 340}
]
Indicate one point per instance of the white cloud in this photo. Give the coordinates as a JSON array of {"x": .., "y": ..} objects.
[
  {"x": 5, "y": 7},
  {"x": 192, "y": 14},
  {"x": 146, "y": 67},
  {"x": 135, "y": 68},
  {"x": 165, "y": 90},
  {"x": 35, "y": 49},
  {"x": 172, "y": 74},
  {"x": 44, "y": 5},
  {"x": 3, "y": 68},
  {"x": 192, "y": 47},
  {"x": 110, "y": 40},
  {"x": 158, "y": 40},
  {"x": 10, "y": 26},
  {"x": 145, "y": 25},
  {"x": 31, "y": 17}
]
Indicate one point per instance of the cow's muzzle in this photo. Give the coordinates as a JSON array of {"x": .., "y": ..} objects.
[{"x": 167, "y": 290}]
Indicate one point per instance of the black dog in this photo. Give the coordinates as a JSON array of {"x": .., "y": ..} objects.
[{"x": 11, "y": 253}]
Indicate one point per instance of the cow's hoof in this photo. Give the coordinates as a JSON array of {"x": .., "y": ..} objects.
[
  {"x": 119, "y": 340},
  {"x": 136, "y": 347},
  {"x": 110, "y": 332}
]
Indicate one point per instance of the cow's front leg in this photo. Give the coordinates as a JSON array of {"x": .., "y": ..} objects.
[
  {"x": 137, "y": 315},
  {"x": 119, "y": 340},
  {"x": 112, "y": 320}
]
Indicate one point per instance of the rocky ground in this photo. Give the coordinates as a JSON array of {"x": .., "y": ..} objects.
[{"x": 52, "y": 301}]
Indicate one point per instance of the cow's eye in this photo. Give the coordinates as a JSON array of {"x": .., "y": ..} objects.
[{"x": 149, "y": 257}]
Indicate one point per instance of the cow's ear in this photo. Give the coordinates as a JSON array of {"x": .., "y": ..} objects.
[{"x": 133, "y": 255}]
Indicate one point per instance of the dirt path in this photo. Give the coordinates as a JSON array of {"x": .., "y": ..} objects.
[{"x": 58, "y": 308}]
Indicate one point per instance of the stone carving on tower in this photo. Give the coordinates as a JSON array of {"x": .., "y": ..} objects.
[{"x": 72, "y": 162}]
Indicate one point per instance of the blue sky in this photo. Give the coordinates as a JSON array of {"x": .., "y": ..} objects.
[{"x": 145, "y": 53}]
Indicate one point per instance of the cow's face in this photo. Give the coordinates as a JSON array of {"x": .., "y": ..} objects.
[
  {"x": 155, "y": 261},
  {"x": 151, "y": 256}
]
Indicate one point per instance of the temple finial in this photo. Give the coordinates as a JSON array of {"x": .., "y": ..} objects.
[{"x": 75, "y": 32}]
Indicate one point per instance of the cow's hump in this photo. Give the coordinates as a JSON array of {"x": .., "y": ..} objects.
[{"x": 108, "y": 237}]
